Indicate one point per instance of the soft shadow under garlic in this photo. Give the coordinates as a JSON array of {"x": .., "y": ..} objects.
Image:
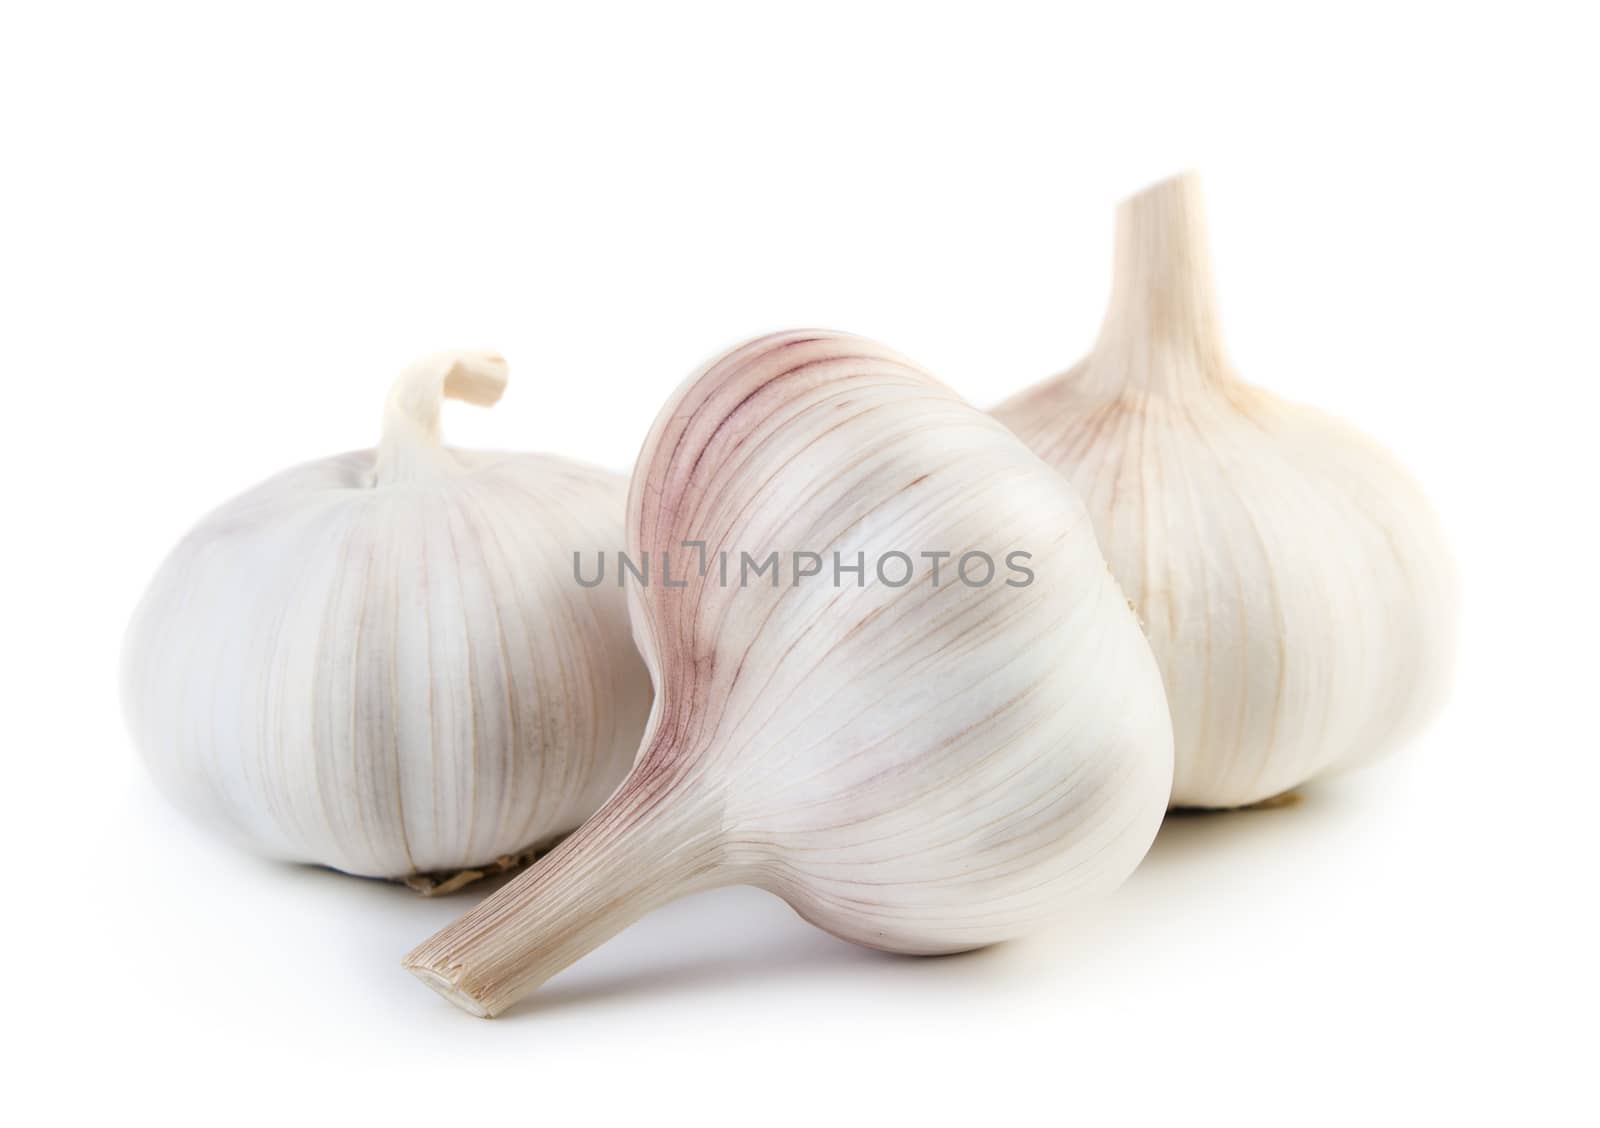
[
  {"x": 1202, "y": 835},
  {"x": 727, "y": 939}
]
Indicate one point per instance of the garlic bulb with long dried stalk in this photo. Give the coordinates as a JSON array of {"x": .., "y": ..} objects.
[
  {"x": 1292, "y": 579},
  {"x": 896, "y": 684},
  {"x": 382, "y": 662}
]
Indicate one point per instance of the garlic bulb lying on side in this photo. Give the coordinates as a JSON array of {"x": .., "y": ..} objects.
[
  {"x": 1293, "y": 582},
  {"x": 381, "y": 662},
  {"x": 896, "y": 684}
]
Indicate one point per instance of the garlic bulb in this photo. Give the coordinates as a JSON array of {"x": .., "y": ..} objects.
[
  {"x": 918, "y": 750},
  {"x": 1293, "y": 582},
  {"x": 381, "y": 662}
]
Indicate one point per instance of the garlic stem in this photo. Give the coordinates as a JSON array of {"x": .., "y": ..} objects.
[
  {"x": 1161, "y": 331},
  {"x": 411, "y": 446},
  {"x": 642, "y": 849}
]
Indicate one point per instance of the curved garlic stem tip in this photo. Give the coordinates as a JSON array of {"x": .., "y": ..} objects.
[
  {"x": 411, "y": 446},
  {"x": 1161, "y": 321}
]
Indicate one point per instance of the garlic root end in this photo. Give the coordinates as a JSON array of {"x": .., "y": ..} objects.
[
  {"x": 1290, "y": 798},
  {"x": 453, "y": 881}
]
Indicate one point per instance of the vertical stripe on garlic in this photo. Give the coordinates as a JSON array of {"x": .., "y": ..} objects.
[
  {"x": 1294, "y": 584},
  {"x": 913, "y": 765},
  {"x": 380, "y": 661}
]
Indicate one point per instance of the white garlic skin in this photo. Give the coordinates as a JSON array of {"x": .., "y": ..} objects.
[
  {"x": 1294, "y": 584},
  {"x": 381, "y": 662}
]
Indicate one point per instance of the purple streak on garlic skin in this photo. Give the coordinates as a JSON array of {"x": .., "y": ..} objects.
[{"x": 919, "y": 769}]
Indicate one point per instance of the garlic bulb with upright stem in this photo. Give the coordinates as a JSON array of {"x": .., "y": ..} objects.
[
  {"x": 914, "y": 765},
  {"x": 1293, "y": 581},
  {"x": 381, "y": 662}
]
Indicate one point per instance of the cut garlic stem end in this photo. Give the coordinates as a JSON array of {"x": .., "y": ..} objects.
[
  {"x": 450, "y": 991},
  {"x": 639, "y": 851},
  {"x": 1161, "y": 332},
  {"x": 411, "y": 446}
]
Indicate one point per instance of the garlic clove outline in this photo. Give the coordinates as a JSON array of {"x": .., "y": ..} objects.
[
  {"x": 1295, "y": 585},
  {"x": 380, "y": 662},
  {"x": 914, "y": 767}
]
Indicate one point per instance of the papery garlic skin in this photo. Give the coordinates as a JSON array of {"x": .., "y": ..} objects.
[
  {"x": 920, "y": 768},
  {"x": 1294, "y": 583},
  {"x": 381, "y": 662}
]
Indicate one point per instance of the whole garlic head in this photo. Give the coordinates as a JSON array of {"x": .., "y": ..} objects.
[
  {"x": 382, "y": 662},
  {"x": 1293, "y": 582},
  {"x": 914, "y": 764}
]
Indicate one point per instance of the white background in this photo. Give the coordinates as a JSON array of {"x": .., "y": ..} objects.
[{"x": 223, "y": 233}]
